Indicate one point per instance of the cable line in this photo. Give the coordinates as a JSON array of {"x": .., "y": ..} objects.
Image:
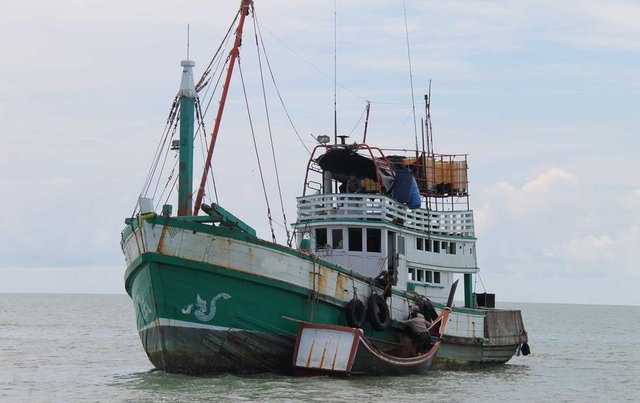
[
  {"x": 255, "y": 146},
  {"x": 273, "y": 151}
]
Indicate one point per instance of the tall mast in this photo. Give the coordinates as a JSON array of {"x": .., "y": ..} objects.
[
  {"x": 233, "y": 55},
  {"x": 187, "y": 101}
]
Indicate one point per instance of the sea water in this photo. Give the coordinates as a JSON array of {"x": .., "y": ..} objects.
[{"x": 62, "y": 348}]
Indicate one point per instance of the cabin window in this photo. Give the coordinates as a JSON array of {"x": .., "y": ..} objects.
[
  {"x": 419, "y": 243},
  {"x": 321, "y": 238},
  {"x": 428, "y": 276},
  {"x": 374, "y": 237},
  {"x": 401, "y": 245},
  {"x": 436, "y": 246},
  {"x": 336, "y": 239},
  {"x": 445, "y": 247},
  {"x": 427, "y": 245},
  {"x": 412, "y": 274},
  {"x": 452, "y": 248},
  {"x": 436, "y": 277},
  {"x": 355, "y": 239}
]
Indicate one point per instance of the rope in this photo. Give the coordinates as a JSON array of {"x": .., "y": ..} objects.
[
  {"x": 173, "y": 186},
  {"x": 273, "y": 151},
  {"x": 201, "y": 83},
  {"x": 166, "y": 155},
  {"x": 158, "y": 152},
  {"x": 165, "y": 131},
  {"x": 359, "y": 120},
  {"x": 255, "y": 146},
  {"x": 166, "y": 186},
  {"x": 201, "y": 124},
  {"x": 481, "y": 282},
  {"x": 215, "y": 88},
  {"x": 314, "y": 67},
  {"x": 275, "y": 85}
]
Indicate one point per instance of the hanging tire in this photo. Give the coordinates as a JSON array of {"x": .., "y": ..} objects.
[
  {"x": 356, "y": 313},
  {"x": 427, "y": 309},
  {"x": 378, "y": 311}
]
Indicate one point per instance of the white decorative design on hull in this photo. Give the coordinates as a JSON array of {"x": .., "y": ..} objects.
[{"x": 201, "y": 313}]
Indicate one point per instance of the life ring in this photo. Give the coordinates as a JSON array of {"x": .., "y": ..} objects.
[
  {"x": 427, "y": 309},
  {"x": 356, "y": 313},
  {"x": 378, "y": 312}
]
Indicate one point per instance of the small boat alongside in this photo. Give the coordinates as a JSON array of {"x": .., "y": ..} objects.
[
  {"x": 379, "y": 234},
  {"x": 342, "y": 351}
]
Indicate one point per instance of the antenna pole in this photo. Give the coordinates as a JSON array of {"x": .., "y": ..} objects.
[
  {"x": 335, "y": 71},
  {"x": 430, "y": 147},
  {"x": 233, "y": 55},
  {"x": 366, "y": 122},
  {"x": 188, "y": 26},
  {"x": 413, "y": 101}
]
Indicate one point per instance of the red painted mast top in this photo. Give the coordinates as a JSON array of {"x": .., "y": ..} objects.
[{"x": 233, "y": 55}]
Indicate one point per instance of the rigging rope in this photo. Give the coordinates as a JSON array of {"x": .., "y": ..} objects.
[
  {"x": 275, "y": 85},
  {"x": 166, "y": 154},
  {"x": 255, "y": 146},
  {"x": 359, "y": 120},
  {"x": 314, "y": 67},
  {"x": 201, "y": 83},
  {"x": 158, "y": 152},
  {"x": 273, "y": 151},
  {"x": 201, "y": 124},
  {"x": 165, "y": 132}
]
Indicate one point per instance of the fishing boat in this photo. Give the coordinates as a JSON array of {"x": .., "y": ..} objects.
[
  {"x": 378, "y": 233},
  {"x": 345, "y": 351}
]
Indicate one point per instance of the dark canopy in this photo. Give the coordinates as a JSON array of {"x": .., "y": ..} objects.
[{"x": 343, "y": 161}]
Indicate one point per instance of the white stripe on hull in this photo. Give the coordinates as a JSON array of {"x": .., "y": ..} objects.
[{"x": 183, "y": 323}]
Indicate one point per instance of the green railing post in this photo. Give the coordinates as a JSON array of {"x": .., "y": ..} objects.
[{"x": 468, "y": 291}]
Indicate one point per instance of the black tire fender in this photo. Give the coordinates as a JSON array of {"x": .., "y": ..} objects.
[
  {"x": 356, "y": 313},
  {"x": 378, "y": 311}
]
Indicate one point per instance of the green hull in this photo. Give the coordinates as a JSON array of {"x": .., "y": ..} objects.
[{"x": 193, "y": 317}]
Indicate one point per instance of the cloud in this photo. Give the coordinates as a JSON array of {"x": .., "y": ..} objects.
[
  {"x": 533, "y": 200},
  {"x": 632, "y": 200},
  {"x": 590, "y": 248},
  {"x": 553, "y": 179},
  {"x": 552, "y": 229}
]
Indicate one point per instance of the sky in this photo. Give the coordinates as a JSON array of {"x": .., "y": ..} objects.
[{"x": 543, "y": 95}]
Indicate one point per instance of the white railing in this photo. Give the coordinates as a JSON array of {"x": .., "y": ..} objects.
[{"x": 371, "y": 207}]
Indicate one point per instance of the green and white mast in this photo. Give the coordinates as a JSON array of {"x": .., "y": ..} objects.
[{"x": 187, "y": 95}]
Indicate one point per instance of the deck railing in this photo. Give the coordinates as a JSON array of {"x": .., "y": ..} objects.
[{"x": 370, "y": 207}]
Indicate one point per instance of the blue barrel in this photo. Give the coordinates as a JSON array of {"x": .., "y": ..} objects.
[{"x": 405, "y": 189}]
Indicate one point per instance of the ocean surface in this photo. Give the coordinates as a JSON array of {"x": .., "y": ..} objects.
[{"x": 61, "y": 348}]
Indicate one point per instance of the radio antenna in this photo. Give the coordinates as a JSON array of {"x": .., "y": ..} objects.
[
  {"x": 413, "y": 102},
  {"x": 335, "y": 71},
  {"x": 188, "y": 29}
]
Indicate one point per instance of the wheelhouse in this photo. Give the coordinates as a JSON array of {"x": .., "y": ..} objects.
[{"x": 374, "y": 211}]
